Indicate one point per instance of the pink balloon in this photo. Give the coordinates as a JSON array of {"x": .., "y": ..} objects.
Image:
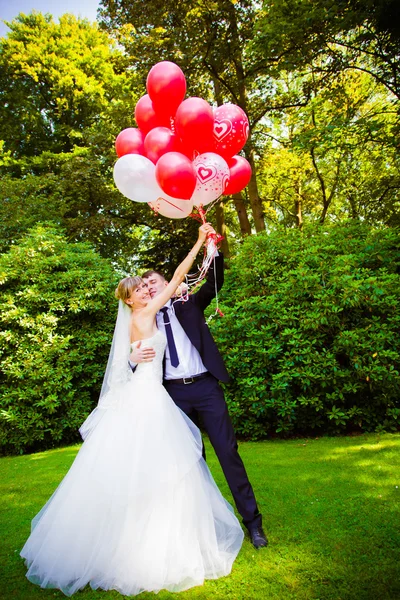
[
  {"x": 194, "y": 123},
  {"x": 159, "y": 141},
  {"x": 175, "y": 175},
  {"x": 172, "y": 207},
  {"x": 166, "y": 86},
  {"x": 129, "y": 141},
  {"x": 146, "y": 117},
  {"x": 231, "y": 129},
  {"x": 239, "y": 175},
  {"x": 212, "y": 175}
]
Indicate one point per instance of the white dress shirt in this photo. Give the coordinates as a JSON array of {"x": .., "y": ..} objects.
[{"x": 190, "y": 362}]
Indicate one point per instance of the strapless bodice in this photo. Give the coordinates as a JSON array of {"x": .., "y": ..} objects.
[{"x": 152, "y": 369}]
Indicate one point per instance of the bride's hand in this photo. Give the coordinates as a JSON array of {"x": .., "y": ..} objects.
[{"x": 205, "y": 230}]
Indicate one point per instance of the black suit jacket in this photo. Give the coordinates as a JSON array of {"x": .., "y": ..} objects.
[{"x": 190, "y": 315}]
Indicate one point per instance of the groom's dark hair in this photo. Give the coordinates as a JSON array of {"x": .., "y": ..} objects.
[{"x": 152, "y": 272}]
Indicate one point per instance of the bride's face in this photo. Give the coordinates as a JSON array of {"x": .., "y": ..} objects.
[{"x": 139, "y": 297}]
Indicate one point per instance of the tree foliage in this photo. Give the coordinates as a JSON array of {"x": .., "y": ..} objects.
[
  {"x": 310, "y": 332},
  {"x": 335, "y": 35},
  {"x": 58, "y": 143},
  {"x": 335, "y": 157},
  {"x": 57, "y": 316},
  {"x": 56, "y": 79},
  {"x": 209, "y": 40},
  {"x": 319, "y": 81},
  {"x": 307, "y": 72}
]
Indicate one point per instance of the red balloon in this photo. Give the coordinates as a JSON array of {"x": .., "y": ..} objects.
[
  {"x": 193, "y": 148},
  {"x": 176, "y": 175},
  {"x": 194, "y": 123},
  {"x": 146, "y": 117},
  {"x": 231, "y": 129},
  {"x": 129, "y": 141},
  {"x": 239, "y": 175},
  {"x": 166, "y": 86},
  {"x": 159, "y": 141}
]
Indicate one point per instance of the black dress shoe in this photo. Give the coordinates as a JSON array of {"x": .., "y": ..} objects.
[{"x": 258, "y": 537}]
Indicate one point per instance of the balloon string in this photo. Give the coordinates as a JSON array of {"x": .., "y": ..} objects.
[
  {"x": 200, "y": 214},
  {"x": 192, "y": 281}
]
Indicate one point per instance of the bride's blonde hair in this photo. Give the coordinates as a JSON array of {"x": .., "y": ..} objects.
[{"x": 126, "y": 287}]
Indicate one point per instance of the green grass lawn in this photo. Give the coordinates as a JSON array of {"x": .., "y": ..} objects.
[{"x": 331, "y": 512}]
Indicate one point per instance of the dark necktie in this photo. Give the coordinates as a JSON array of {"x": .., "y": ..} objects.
[{"x": 170, "y": 338}]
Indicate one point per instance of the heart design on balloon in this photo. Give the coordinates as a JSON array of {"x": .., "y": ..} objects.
[
  {"x": 225, "y": 181},
  {"x": 230, "y": 129},
  {"x": 205, "y": 173},
  {"x": 211, "y": 173},
  {"x": 222, "y": 129},
  {"x": 246, "y": 129}
]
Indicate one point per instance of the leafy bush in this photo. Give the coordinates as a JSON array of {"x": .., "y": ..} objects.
[
  {"x": 311, "y": 333},
  {"x": 57, "y": 317}
]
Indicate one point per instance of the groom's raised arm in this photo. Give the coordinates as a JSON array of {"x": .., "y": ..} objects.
[{"x": 214, "y": 282}]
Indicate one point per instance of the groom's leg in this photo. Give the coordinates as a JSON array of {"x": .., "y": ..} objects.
[
  {"x": 186, "y": 406},
  {"x": 218, "y": 425},
  {"x": 207, "y": 398}
]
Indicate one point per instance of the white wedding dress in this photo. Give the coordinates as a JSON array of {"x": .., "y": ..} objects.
[{"x": 139, "y": 509}]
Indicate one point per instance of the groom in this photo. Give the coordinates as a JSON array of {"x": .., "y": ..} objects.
[{"x": 193, "y": 366}]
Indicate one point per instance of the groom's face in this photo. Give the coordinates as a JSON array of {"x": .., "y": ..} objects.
[{"x": 155, "y": 284}]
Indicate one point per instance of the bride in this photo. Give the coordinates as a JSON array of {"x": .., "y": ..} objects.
[{"x": 138, "y": 510}]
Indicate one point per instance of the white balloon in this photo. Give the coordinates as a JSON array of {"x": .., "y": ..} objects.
[
  {"x": 172, "y": 207},
  {"x": 134, "y": 176},
  {"x": 212, "y": 177}
]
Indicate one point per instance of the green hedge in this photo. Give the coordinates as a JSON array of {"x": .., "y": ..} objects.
[
  {"x": 57, "y": 317},
  {"x": 311, "y": 332}
]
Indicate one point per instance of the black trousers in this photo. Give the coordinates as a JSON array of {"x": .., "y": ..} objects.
[{"x": 206, "y": 398}]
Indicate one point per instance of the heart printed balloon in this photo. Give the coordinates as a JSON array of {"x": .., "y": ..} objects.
[
  {"x": 212, "y": 176},
  {"x": 231, "y": 129}
]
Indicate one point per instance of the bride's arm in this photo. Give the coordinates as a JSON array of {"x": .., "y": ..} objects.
[{"x": 158, "y": 302}]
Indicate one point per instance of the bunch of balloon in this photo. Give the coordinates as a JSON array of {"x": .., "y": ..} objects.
[{"x": 183, "y": 152}]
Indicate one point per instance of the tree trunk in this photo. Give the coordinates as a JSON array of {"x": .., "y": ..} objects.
[
  {"x": 221, "y": 228},
  {"x": 245, "y": 227},
  {"x": 255, "y": 201},
  {"x": 353, "y": 206},
  {"x": 240, "y": 208},
  {"x": 298, "y": 208}
]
